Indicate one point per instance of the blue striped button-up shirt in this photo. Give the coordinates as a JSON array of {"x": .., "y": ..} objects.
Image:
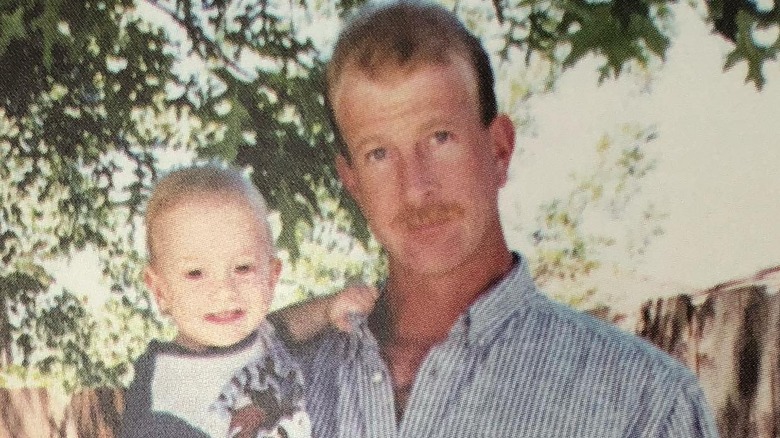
[{"x": 515, "y": 364}]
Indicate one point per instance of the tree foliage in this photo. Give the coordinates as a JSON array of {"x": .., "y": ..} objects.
[
  {"x": 602, "y": 220},
  {"x": 76, "y": 81},
  {"x": 632, "y": 31},
  {"x": 94, "y": 92}
]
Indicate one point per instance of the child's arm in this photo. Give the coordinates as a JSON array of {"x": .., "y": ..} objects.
[{"x": 303, "y": 321}]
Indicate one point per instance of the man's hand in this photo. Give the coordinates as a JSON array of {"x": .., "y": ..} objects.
[
  {"x": 352, "y": 300},
  {"x": 302, "y": 322}
]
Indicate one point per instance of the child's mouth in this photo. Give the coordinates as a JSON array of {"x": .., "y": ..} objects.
[{"x": 225, "y": 317}]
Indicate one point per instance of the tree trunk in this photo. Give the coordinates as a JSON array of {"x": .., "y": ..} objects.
[
  {"x": 731, "y": 340},
  {"x": 6, "y": 353}
]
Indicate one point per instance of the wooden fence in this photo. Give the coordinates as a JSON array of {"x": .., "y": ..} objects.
[{"x": 729, "y": 336}]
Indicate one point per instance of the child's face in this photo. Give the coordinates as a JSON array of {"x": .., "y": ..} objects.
[{"x": 214, "y": 272}]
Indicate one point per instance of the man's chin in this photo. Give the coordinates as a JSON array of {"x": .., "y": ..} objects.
[{"x": 432, "y": 261}]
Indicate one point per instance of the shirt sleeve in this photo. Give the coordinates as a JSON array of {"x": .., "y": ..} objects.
[
  {"x": 137, "y": 398},
  {"x": 690, "y": 416}
]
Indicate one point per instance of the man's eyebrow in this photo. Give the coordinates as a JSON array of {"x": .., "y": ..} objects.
[
  {"x": 370, "y": 140},
  {"x": 436, "y": 122}
]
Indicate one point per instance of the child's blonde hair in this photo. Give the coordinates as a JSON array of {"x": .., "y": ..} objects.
[{"x": 192, "y": 182}]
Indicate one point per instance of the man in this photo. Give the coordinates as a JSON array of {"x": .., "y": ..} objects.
[{"x": 461, "y": 343}]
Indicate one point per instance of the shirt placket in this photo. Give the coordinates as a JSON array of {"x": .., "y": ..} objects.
[
  {"x": 439, "y": 385},
  {"x": 369, "y": 407}
]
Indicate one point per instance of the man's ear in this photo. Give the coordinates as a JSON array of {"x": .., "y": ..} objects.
[
  {"x": 347, "y": 176},
  {"x": 502, "y": 140},
  {"x": 154, "y": 283}
]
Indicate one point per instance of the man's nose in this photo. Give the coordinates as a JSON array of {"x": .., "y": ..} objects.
[{"x": 418, "y": 176}]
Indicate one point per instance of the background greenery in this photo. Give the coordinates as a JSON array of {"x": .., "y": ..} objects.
[{"x": 97, "y": 96}]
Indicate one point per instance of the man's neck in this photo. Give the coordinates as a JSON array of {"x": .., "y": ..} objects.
[
  {"x": 420, "y": 311},
  {"x": 424, "y": 307}
]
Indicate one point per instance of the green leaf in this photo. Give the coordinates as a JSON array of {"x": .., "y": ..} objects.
[
  {"x": 12, "y": 27},
  {"x": 754, "y": 56},
  {"x": 47, "y": 25},
  {"x": 656, "y": 41}
]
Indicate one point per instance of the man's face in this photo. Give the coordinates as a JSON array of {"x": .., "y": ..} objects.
[
  {"x": 213, "y": 272},
  {"x": 424, "y": 170}
]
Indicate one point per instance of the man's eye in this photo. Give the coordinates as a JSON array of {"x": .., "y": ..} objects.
[
  {"x": 377, "y": 154},
  {"x": 441, "y": 137},
  {"x": 194, "y": 274}
]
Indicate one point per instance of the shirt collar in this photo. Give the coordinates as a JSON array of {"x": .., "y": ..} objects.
[
  {"x": 478, "y": 325},
  {"x": 488, "y": 315},
  {"x": 173, "y": 348}
]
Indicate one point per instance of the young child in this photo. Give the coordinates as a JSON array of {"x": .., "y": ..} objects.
[{"x": 212, "y": 269}]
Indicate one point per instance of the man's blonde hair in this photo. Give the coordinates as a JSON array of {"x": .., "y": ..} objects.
[{"x": 192, "y": 182}]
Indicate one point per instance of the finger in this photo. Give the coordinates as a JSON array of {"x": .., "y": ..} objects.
[{"x": 367, "y": 293}]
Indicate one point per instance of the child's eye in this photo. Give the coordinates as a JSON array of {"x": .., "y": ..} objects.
[
  {"x": 243, "y": 269},
  {"x": 194, "y": 274}
]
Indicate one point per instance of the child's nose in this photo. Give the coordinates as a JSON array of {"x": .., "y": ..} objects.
[{"x": 226, "y": 289}]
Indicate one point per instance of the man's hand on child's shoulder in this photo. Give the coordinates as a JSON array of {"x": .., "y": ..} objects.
[{"x": 355, "y": 299}]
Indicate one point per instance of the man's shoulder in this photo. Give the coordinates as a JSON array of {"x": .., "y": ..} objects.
[
  {"x": 573, "y": 357},
  {"x": 576, "y": 333}
]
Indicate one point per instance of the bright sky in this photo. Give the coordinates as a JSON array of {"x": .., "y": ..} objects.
[{"x": 718, "y": 155}]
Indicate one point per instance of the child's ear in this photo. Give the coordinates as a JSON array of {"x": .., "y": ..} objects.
[
  {"x": 154, "y": 284},
  {"x": 274, "y": 272}
]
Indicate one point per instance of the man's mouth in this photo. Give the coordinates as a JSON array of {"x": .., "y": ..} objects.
[{"x": 225, "y": 317}]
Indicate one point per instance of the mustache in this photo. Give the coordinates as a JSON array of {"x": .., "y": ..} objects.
[{"x": 430, "y": 214}]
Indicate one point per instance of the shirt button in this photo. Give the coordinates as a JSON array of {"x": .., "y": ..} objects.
[{"x": 377, "y": 377}]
